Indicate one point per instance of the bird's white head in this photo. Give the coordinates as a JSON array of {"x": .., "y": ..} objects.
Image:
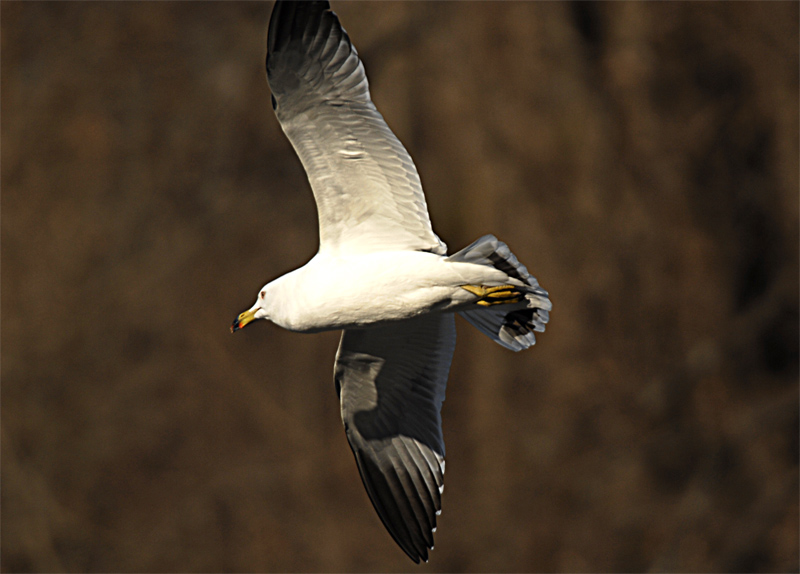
[{"x": 257, "y": 311}]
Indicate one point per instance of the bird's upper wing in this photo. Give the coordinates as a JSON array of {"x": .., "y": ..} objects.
[
  {"x": 367, "y": 190},
  {"x": 391, "y": 382}
]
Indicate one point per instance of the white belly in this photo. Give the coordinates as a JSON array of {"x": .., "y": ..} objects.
[{"x": 362, "y": 290}]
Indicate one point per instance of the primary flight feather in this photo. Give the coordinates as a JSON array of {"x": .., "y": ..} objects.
[{"x": 381, "y": 274}]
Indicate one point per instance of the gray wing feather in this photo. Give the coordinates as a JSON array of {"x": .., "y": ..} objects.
[
  {"x": 391, "y": 383},
  {"x": 368, "y": 193}
]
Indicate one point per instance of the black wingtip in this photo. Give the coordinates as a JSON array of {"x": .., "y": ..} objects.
[
  {"x": 409, "y": 539},
  {"x": 283, "y": 18}
]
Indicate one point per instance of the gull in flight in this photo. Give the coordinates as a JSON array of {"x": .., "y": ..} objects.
[{"x": 381, "y": 274}]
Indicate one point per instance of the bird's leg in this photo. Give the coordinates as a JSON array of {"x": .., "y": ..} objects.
[{"x": 497, "y": 295}]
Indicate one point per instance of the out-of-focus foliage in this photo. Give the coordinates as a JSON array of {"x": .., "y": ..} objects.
[{"x": 640, "y": 158}]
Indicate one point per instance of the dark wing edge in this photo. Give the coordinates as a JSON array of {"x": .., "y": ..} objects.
[
  {"x": 391, "y": 382},
  {"x": 306, "y": 45}
]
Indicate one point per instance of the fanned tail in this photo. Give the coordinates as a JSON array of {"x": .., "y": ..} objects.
[{"x": 508, "y": 314}]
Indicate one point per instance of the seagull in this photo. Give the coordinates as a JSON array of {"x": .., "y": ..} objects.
[{"x": 381, "y": 275}]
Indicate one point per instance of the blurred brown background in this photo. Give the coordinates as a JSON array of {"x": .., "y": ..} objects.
[{"x": 640, "y": 158}]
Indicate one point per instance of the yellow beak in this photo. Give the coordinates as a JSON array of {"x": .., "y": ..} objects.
[{"x": 242, "y": 320}]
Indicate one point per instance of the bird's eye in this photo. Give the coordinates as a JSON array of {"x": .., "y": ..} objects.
[{"x": 262, "y": 294}]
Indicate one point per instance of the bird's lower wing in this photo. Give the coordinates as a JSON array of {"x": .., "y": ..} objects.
[{"x": 391, "y": 383}]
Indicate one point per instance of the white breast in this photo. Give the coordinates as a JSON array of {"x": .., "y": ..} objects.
[{"x": 363, "y": 290}]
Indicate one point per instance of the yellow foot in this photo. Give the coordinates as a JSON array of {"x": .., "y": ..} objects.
[{"x": 498, "y": 295}]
